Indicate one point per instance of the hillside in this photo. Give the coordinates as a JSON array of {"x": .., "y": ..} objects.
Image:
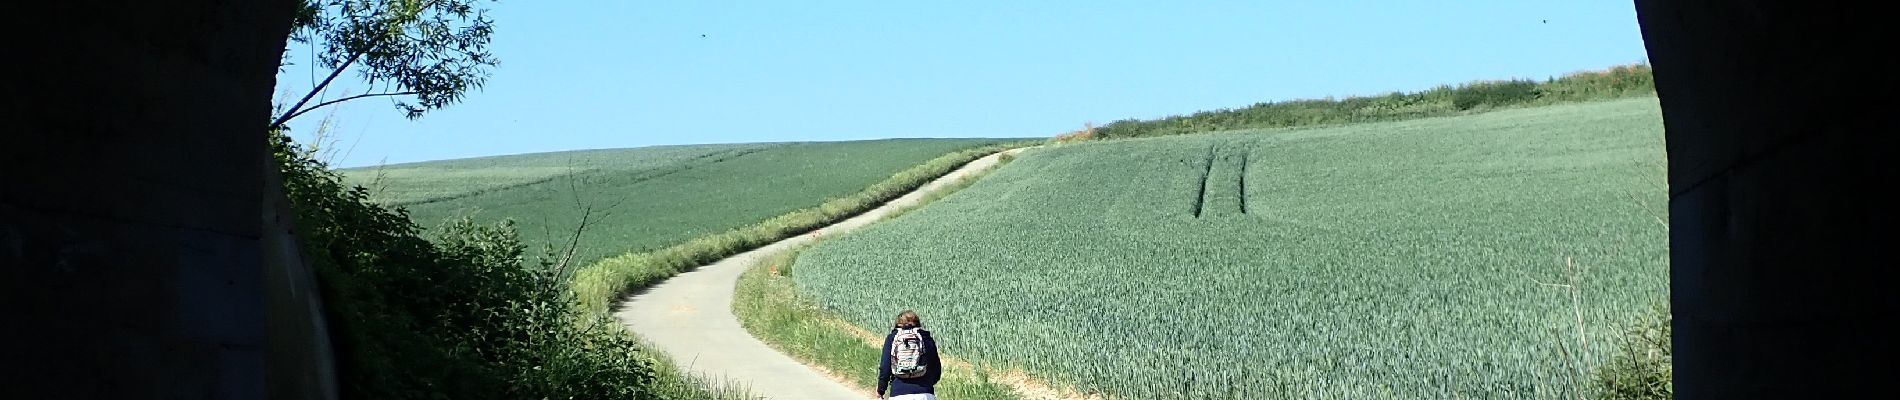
[
  {"x": 645, "y": 198},
  {"x": 1411, "y": 259},
  {"x": 1621, "y": 81},
  {"x": 432, "y": 181}
]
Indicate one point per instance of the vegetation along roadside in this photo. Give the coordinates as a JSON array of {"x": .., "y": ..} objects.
[{"x": 457, "y": 312}]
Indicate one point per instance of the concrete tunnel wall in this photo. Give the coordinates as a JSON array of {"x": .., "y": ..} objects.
[
  {"x": 1781, "y": 125},
  {"x": 132, "y": 155},
  {"x": 131, "y": 159}
]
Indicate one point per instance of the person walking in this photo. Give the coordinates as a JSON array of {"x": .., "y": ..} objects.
[{"x": 909, "y": 367}]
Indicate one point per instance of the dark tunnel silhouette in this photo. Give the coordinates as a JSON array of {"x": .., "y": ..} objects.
[
  {"x": 136, "y": 261},
  {"x": 1780, "y": 125}
]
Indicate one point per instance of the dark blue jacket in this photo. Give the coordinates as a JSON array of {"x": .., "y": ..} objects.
[{"x": 903, "y": 386}]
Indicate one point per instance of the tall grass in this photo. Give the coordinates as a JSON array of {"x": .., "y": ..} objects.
[
  {"x": 1615, "y": 82},
  {"x": 1643, "y": 368}
]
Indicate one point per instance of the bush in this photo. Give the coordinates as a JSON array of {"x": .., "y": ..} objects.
[
  {"x": 460, "y": 316},
  {"x": 1619, "y": 81},
  {"x": 1498, "y": 93}
]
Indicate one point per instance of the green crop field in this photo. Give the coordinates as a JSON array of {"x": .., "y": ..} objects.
[
  {"x": 645, "y": 198},
  {"x": 423, "y": 182},
  {"x": 1410, "y": 259}
]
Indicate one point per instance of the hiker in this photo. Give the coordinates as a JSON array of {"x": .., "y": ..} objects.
[{"x": 909, "y": 366}]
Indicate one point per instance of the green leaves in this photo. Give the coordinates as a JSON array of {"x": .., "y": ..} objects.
[
  {"x": 428, "y": 52},
  {"x": 456, "y": 315}
]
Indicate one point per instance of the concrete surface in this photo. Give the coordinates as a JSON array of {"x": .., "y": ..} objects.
[{"x": 131, "y": 180}]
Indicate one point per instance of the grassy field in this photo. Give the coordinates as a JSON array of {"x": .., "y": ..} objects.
[
  {"x": 1410, "y": 259},
  {"x": 599, "y": 283},
  {"x": 647, "y": 198},
  {"x": 432, "y": 181}
]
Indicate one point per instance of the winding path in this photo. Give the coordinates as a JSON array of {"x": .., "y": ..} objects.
[{"x": 690, "y": 316}]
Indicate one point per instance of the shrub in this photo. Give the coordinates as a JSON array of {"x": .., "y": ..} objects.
[
  {"x": 1498, "y": 93},
  {"x": 1619, "y": 81},
  {"x": 460, "y": 316}
]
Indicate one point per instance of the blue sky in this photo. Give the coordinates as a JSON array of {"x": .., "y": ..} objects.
[{"x": 606, "y": 74}]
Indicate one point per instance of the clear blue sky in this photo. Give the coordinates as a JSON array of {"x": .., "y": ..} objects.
[{"x": 607, "y": 74}]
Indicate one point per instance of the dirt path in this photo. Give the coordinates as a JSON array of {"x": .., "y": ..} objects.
[{"x": 690, "y": 316}]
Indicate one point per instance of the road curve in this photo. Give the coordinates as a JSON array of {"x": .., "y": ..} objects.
[{"x": 690, "y": 316}]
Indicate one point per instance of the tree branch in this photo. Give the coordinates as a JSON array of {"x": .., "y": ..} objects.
[
  {"x": 379, "y": 20},
  {"x": 559, "y": 272},
  {"x": 287, "y": 117},
  {"x": 294, "y": 111}
]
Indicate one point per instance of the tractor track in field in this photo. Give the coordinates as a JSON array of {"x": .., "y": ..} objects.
[
  {"x": 689, "y": 316},
  {"x": 1224, "y": 161},
  {"x": 1200, "y": 195},
  {"x": 1243, "y": 179}
]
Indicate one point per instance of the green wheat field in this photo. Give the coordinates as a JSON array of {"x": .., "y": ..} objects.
[{"x": 1476, "y": 256}]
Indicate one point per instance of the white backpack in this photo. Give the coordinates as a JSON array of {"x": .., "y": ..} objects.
[{"x": 907, "y": 351}]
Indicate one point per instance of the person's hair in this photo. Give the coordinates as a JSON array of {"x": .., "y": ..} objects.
[{"x": 908, "y": 319}]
